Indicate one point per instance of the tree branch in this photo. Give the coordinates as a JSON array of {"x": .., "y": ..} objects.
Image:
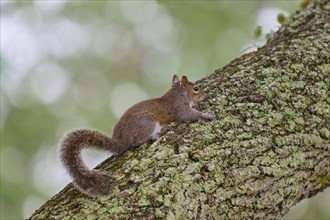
[{"x": 267, "y": 150}]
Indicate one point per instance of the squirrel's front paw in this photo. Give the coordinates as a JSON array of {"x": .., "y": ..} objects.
[{"x": 209, "y": 116}]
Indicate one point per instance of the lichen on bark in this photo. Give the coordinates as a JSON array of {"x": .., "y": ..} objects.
[{"x": 267, "y": 149}]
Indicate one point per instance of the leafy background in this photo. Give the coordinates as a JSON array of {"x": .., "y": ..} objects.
[{"x": 69, "y": 64}]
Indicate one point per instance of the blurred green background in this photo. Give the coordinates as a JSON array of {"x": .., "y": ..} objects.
[{"x": 70, "y": 64}]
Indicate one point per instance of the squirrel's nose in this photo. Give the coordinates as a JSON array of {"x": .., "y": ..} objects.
[{"x": 206, "y": 96}]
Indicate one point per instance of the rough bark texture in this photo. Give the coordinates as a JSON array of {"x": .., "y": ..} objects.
[{"x": 267, "y": 150}]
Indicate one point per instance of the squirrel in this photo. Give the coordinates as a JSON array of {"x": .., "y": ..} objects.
[{"x": 139, "y": 124}]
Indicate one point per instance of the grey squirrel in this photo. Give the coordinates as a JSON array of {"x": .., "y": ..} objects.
[{"x": 139, "y": 124}]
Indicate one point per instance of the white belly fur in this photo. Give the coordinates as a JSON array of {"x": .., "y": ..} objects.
[{"x": 157, "y": 129}]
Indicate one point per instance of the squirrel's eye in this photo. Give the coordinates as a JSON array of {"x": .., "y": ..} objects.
[{"x": 196, "y": 89}]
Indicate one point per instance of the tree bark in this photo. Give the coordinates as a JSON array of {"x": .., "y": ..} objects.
[{"x": 267, "y": 150}]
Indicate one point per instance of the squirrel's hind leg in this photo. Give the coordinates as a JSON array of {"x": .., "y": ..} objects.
[{"x": 148, "y": 128}]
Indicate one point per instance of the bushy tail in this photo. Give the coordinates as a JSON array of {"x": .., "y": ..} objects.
[{"x": 91, "y": 182}]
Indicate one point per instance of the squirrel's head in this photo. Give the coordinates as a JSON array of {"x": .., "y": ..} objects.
[{"x": 190, "y": 90}]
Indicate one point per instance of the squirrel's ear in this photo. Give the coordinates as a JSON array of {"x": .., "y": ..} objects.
[
  {"x": 184, "y": 80},
  {"x": 175, "y": 79}
]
